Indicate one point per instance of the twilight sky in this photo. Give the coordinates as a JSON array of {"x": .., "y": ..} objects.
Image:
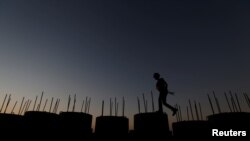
[{"x": 105, "y": 48}]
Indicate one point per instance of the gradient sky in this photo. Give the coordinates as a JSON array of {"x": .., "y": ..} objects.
[{"x": 104, "y": 49}]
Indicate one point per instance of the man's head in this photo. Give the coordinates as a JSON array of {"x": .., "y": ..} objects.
[{"x": 156, "y": 76}]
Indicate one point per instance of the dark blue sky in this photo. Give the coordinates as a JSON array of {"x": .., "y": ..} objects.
[{"x": 110, "y": 48}]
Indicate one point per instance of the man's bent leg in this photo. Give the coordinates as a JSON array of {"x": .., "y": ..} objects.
[
  {"x": 164, "y": 101},
  {"x": 160, "y": 104}
]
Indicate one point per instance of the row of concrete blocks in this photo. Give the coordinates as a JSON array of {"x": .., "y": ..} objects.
[{"x": 75, "y": 125}]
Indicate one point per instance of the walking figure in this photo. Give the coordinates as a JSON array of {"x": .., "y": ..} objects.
[{"x": 162, "y": 87}]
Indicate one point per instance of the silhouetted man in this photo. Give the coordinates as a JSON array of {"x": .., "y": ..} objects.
[{"x": 162, "y": 87}]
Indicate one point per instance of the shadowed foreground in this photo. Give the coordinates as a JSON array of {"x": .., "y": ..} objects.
[{"x": 77, "y": 126}]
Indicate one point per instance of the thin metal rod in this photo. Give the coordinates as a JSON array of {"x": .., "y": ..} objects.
[
  {"x": 13, "y": 107},
  {"x": 82, "y": 105},
  {"x": 34, "y": 104},
  {"x": 228, "y": 102},
  {"x": 196, "y": 111},
  {"x": 8, "y": 102},
  {"x": 27, "y": 107},
  {"x": 24, "y": 106},
  {"x": 238, "y": 101},
  {"x": 89, "y": 104},
  {"x": 57, "y": 105},
  {"x": 69, "y": 99},
  {"x": 247, "y": 100},
  {"x": 116, "y": 112},
  {"x": 211, "y": 104},
  {"x": 54, "y": 109},
  {"x": 45, "y": 104},
  {"x": 51, "y": 104},
  {"x": 180, "y": 112},
  {"x": 38, "y": 107},
  {"x": 233, "y": 102},
  {"x": 102, "y": 107},
  {"x": 3, "y": 103},
  {"x": 86, "y": 104},
  {"x": 191, "y": 109},
  {"x": 115, "y": 106},
  {"x": 21, "y": 106},
  {"x": 111, "y": 105},
  {"x": 123, "y": 106},
  {"x": 144, "y": 101},
  {"x": 200, "y": 111},
  {"x": 138, "y": 102},
  {"x": 73, "y": 109},
  {"x": 152, "y": 98},
  {"x": 217, "y": 102}
]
